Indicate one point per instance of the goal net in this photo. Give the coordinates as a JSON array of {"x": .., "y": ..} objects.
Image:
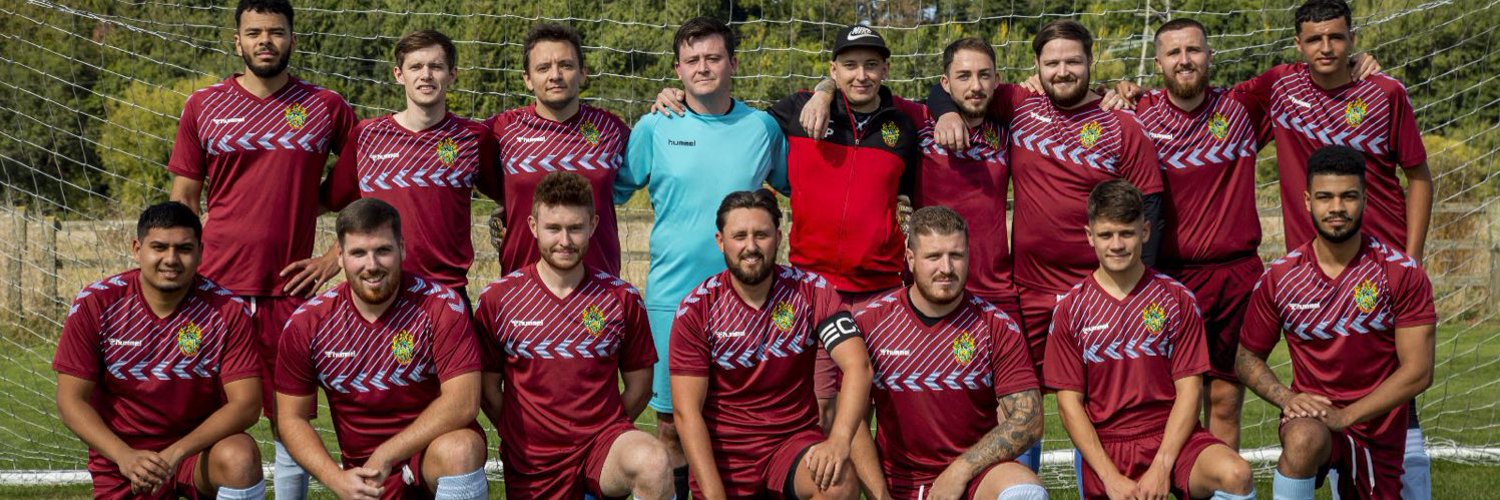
[{"x": 90, "y": 92}]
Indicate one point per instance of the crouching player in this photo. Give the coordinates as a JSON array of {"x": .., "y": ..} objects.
[
  {"x": 177, "y": 375},
  {"x": 955, "y": 390},
  {"x": 1126, "y": 356},
  {"x": 398, "y": 360}
]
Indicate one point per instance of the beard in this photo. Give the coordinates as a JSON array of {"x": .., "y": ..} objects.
[
  {"x": 1339, "y": 236},
  {"x": 1069, "y": 98},
  {"x": 975, "y": 112},
  {"x": 265, "y": 71},
  {"x": 753, "y": 275},
  {"x": 379, "y": 294},
  {"x": 1190, "y": 89},
  {"x": 936, "y": 296},
  {"x": 558, "y": 263}
]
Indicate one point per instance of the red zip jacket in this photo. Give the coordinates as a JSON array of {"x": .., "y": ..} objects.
[{"x": 844, "y": 189}]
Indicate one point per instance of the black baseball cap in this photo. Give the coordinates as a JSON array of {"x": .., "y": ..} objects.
[{"x": 860, "y": 36}]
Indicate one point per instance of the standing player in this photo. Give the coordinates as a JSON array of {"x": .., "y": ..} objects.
[
  {"x": 557, "y": 132},
  {"x": 174, "y": 363},
  {"x": 398, "y": 362},
  {"x": 424, "y": 161},
  {"x": 1062, "y": 145},
  {"x": 261, "y": 139},
  {"x": 1360, "y": 324},
  {"x": 955, "y": 393},
  {"x": 742, "y": 360},
  {"x": 561, "y": 336},
  {"x": 1126, "y": 355},
  {"x": 689, "y": 163}
]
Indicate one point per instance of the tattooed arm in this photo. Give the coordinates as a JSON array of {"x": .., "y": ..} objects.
[
  {"x": 1020, "y": 426},
  {"x": 1257, "y": 375}
]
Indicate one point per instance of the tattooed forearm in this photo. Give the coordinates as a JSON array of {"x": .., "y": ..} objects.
[
  {"x": 825, "y": 85},
  {"x": 1257, "y": 375},
  {"x": 1020, "y": 427}
]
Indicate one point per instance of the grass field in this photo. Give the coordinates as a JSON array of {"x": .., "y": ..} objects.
[{"x": 1462, "y": 407}]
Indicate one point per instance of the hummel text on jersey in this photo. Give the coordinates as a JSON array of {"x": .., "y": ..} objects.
[{"x": 675, "y": 142}]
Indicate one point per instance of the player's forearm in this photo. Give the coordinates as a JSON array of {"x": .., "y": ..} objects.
[
  {"x": 1019, "y": 427},
  {"x": 452, "y": 410},
  {"x": 187, "y": 191},
  {"x": 1182, "y": 420},
  {"x": 854, "y": 397},
  {"x": 306, "y": 447},
  {"x": 693, "y": 432},
  {"x": 866, "y": 460},
  {"x": 1419, "y": 194},
  {"x": 637, "y": 392},
  {"x": 1402, "y": 386},
  {"x": 1081, "y": 431},
  {"x": 239, "y": 413},
  {"x": 81, "y": 418},
  {"x": 825, "y": 86},
  {"x": 1257, "y": 375},
  {"x": 493, "y": 393}
]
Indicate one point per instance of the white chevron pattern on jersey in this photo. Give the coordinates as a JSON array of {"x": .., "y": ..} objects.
[{"x": 570, "y": 162}]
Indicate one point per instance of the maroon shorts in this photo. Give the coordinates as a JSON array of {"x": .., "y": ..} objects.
[
  {"x": 580, "y": 474},
  {"x": 1223, "y": 293},
  {"x": 759, "y": 471},
  {"x": 1369, "y": 457},
  {"x": 406, "y": 481},
  {"x": 904, "y": 489},
  {"x": 1132, "y": 456},
  {"x": 1036, "y": 320},
  {"x": 826, "y": 374},
  {"x": 110, "y": 483},
  {"x": 268, "y": 317}
]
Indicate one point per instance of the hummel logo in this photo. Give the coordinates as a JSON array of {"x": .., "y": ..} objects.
[
  {"x": 227, "y": 121},
  {"x": 1303, "y": 307},
  {"x": 125, "y": 343},
  {"x": 1161, "y": 137},
  {"x": 1091, "y": 329},
  {"x": 1043, "y": 119},
  {"x": 386, "y": 156},
  {"x": 675, "y": 142},
  {"x": 729, "y": 335},
  {"x": 861, "y": 32},
  {"x": 530, "y": 139},
  {"x": 893, "y": 352},
  {"x": 339, "y": 354},
  {"x": 525, "y": 322},
  {"x": 1300, "y": 102}
]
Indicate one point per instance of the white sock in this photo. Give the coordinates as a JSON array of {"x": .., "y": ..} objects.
[
  {"x": 1223, "y": 495},
  {"x": 256, "y": 491},
  {"x": 463, "y": 486},
  {"x": 1023, "y": 492},
  {"x": 1285, "y": 488},
  {"x": 289, "y": 479}
]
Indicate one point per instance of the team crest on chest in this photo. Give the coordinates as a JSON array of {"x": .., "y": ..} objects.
[
  {"x": 590, "y": 132},
  {"x": 447, "y": 151},
  {"x": 992, "y": 138},
  {"x": 403, "y": 347},
  {"x": 963, "y": 348},
  {"x": 189, "y": 339},
  {"x": 1154, "y": 318},
  {"x": 1355, "y": 112},
  {"x": 1219, "y": 126},
  {"x": 1090, "y": 134},
  {"x": 1365, "y": 296},
  {"x": 296, "y": 116},
  {"x": 783, "y": 316},
  {"x": 890, "y": 134},
  {"x": 593, "y": 320}
]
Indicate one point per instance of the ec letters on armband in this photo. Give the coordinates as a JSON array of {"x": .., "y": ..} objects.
[{"x": 835, "y": 329}]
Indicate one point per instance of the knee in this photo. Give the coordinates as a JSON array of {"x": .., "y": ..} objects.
[
  {"x": 847, "y": 487},
  {"x": 456, "y": 452},
  {"x": 650, "y": 462},
  {"x": 1303, "y": 442},
  {"x": 1235, "y": 477},
  {"x": 235, "y": 461}
]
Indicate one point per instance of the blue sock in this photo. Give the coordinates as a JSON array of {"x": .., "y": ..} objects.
[
  {"x": 1222, "y": 495},
  {"x": 1078, "y": 466},
  {"x": 288, "y": 478},
  {"x": 1032, "y": 458},
  {"x": 1023, "y": 492},
  {"x": 1416, "y": 481},
  {"x": 463, "y": 486},
  {"x": 1285, "y": 488},
  {"x": 256, "y": 491}
]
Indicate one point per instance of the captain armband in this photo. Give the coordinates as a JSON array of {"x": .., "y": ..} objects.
[{"x": 835, "y": 329}]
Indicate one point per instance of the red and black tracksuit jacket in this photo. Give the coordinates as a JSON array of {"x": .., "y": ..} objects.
[{"x": 844, "y": 189}]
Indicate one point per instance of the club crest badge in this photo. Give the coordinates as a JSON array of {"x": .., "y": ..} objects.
[
  {"x": 189, "y": 339},
  {"x": 1366, "y": 295},
  {"x": 1355, "y": 112},
  {"x": 1154, "y": 318},
  {"x": 1090, "y": 134},
  {"x": 447, "y": 151},
  {"x": 590, "y": 132},
  {"x": 992, "y": 138},
  {"x": 890, "y": 134},
  {"x": 403, "y": 347},
  {"x": 1219, "y": 126},
  {"x": 296, "y": 116},
  {"x": 963, "y": 348},
  {"x": 593, "y": 320},
  {"x": 783, "y": 316}
]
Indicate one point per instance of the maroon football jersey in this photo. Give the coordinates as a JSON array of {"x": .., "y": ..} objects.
[
  {"x": 261, "y": 160},
  {"x": 1125, "y": 355},
  {"x": 591, "y": 144},
  {"x": 429, "y": 176},
  {"x": 158, "y": 378},
  {"x": 377, "y": 376},
  {"x": 1373, "y": 116},
  {"x": 560, "y": 360},
  {"x": 937, "y": 385}
]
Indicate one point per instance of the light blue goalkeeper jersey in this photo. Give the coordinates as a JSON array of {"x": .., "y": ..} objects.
[{"x": 689, "y": 164}]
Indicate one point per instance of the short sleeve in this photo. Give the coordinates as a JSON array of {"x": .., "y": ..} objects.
[
  {"x": 1138, "y": 161},
  {"x": 487, "y": 326},
  {"x": 456, "y": 347},
  {"x": 1063, "y": 364},
  {"x": 1190, "y": 348},
  {"x": 78, "y": 350},
  {"x": 1256, "y": 93},
  {"x": 344, "y": 121},
  {"x": 1413, "y": 302},
  {"x": 295, "y": 373},
  {"x": 489, "y": 180},
  {"x": 1010, "y": 357},
  {"x": 639, "y": 157},
  {"x": 188, "y": 159},
  {"x": 342, "y": 185},
  {"x": 1405, "y": 134},
  {"x": 1262, "y": 328},
  {"x": 689, "y": 352},
  {"x": 639, "y": 350},
  {"x": 240, "y": 358}
]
